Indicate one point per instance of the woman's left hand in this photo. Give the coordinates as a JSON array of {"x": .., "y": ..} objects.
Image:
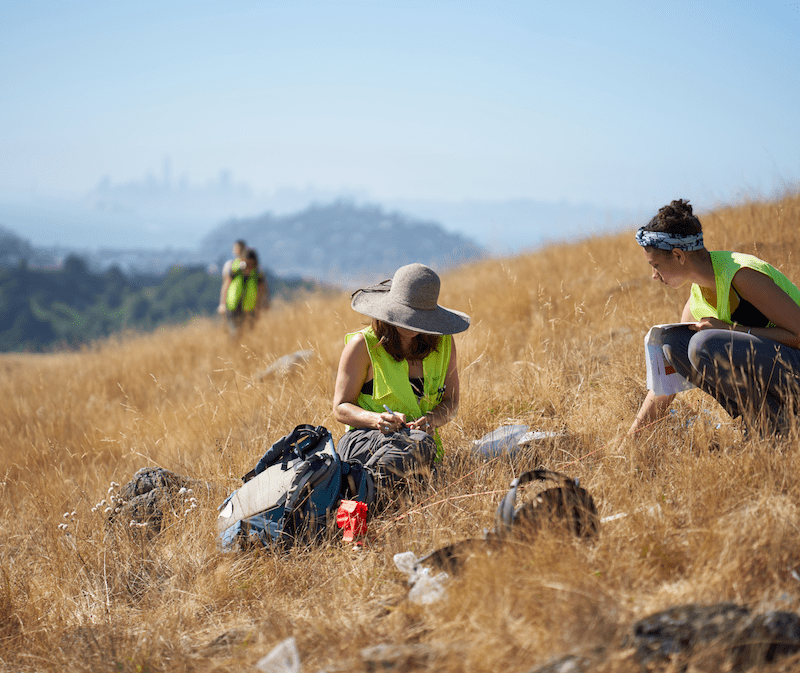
[
  {"x": 710, "y": 323},
  {"x": 422, "y": 423}
]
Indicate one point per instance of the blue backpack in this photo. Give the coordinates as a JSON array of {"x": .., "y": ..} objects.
[{"x": 292, "y": 492}]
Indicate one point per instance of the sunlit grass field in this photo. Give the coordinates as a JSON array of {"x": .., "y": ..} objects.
[{"x": 556, "y": 343}]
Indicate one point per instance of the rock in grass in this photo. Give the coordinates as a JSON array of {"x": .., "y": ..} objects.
[
  {"x": 286, "y": 364},
  {"x": 700, "y": 635},
  {"x": 150, "y": 494}
]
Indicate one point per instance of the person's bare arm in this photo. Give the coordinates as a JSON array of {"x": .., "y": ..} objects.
[
  {"x": 354, "y": 366},
  {"x": 656, "y": 406},
  {"x": 653, "y": 408},
  {"x": 777, "y": 306}
]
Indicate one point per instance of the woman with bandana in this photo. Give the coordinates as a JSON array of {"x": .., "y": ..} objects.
[{"x": 742, "y": 343}]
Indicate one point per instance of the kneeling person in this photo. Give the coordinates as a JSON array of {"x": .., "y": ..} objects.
[{"x": 398, "y": 378}]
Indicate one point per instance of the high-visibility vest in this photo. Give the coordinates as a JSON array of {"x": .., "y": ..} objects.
[
  {"x": 243, "y": 290},
  {"x": 726, "y": 264},
  {"x": 391, "y": 385}
]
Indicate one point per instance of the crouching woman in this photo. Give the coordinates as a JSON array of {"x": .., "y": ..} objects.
[
  {"x": 741, "y": 343},
  {"x": 397, "y": 381}
]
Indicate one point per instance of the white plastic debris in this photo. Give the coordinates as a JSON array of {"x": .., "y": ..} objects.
[
  {"x": 538, "y": 435},
  {"x": 425, "y": 587},
  {"x": 655, "y": 511},
  {"x": 283, "y": 658},
  {"x": 502, "y": 440},
  {"x": 508, "y": 439},
  {"x": 406, "y": 562}
]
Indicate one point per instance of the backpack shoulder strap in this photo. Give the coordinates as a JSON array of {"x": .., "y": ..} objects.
[
  {"x": 309, "y": 474},
  {"x": 296, "y": 443}
]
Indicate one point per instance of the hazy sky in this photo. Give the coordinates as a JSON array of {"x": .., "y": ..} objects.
[{"x": 622, "y": 103}]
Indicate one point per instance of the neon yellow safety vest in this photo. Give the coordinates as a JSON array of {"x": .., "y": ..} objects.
[
  {"x": 390, "y": 385},
  {"x": 243, "y": 289},
  {"x": 726, "y": 264}
]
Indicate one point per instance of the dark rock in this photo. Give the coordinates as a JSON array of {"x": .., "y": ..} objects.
[
  {"x": 679, "y": 630},
  {"x": 712, "y": 635},
  {"x": 232, "y": 638},
  {"x": 397, "y": 657},
  {"x": 767, "y": 637},
  {"x": 451, "y": 558},
  {"x": 150, "y": 494}
]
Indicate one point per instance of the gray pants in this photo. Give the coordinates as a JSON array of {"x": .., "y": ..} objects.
[
  {"x": 397, "y": 458},
  {"x": 758, "y": 379}
]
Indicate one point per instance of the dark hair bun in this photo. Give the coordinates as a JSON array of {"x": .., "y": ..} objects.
[
  {"x": 676, "y": 218},
  {"x": 679, "y": 209}
]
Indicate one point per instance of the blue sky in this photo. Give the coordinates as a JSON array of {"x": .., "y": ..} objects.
[{"x": 615, "y": 103}]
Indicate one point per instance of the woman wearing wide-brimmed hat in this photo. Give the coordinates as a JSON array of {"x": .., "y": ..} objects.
[
  {"x": 405, "y": 361},
  {"x": 741, "y": 343}
]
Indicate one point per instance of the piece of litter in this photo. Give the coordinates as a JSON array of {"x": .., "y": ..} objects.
[
  {"x": 425, "y": 587},
  {"x": 283, "y": 658}
]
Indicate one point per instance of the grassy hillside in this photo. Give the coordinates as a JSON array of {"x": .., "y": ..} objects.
[{"x": 555, "y": 343}]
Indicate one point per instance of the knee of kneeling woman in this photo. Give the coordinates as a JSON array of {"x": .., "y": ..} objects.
[
  {"x": 424, "y": 446},
  {"x": 709, "y": 347}
]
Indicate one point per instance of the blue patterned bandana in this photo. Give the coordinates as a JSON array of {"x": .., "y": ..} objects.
[{"x": 665, "y": 241}]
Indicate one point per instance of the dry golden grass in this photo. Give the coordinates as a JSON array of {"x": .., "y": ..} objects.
[{"x": 556, "y": 343}]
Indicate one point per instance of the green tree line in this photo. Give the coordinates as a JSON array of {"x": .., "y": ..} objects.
[{"x": 42, "y": 309}]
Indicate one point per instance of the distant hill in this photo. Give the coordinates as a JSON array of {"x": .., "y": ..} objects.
[
  {"x": 15, "y": 250},
  {"x": 44, "y": 309},
  {"x": 342, "y": 242}
]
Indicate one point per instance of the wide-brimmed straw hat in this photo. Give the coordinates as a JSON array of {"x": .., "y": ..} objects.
[{"x": 410, "y": 300}]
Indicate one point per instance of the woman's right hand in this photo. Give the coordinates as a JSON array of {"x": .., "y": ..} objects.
[{"x": 389, "y": 423}]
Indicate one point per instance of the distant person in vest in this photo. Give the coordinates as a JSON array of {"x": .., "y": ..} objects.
[
  {"x": 397, "y": 381},
  {"x": 248, "y": 292},
  {"x": 741, "y": 345},
  {"x": 239, "y": 249}
]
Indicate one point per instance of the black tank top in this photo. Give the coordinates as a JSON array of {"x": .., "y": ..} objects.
[{"x": 417, "y": 385}]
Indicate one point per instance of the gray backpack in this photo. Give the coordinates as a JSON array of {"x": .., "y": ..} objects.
[{"x": 292, "y": 492}]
